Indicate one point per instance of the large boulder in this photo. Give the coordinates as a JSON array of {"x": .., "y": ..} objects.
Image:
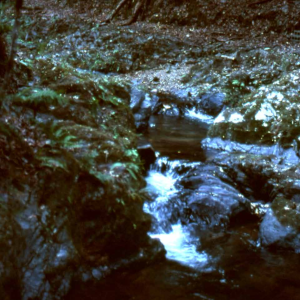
[
  {"x": 210, "y": 201},
  {"x": 268, "y": 115},
  {"x": 143, "y": 105},
  {"x": 257, "y": 172}
]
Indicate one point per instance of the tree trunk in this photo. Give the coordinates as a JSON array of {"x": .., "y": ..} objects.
[
  {"x": 3, "y": 57},
  {"x": 136, "y": 12},
  {"x": 14, "y": 39},
  {"x": 116, "y": 10}
]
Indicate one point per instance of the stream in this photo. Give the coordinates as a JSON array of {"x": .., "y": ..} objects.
[
  {"x": 202, "y": 263},
  {"x": 232, "y": 263},
  {"x": 177, "y": 143}
]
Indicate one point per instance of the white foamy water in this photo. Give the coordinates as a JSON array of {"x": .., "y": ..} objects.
[
  {"x": 177, "y": 243},
  {"x": 161, "y": 185},
  {"x": 195, "y": 114},
  {"x": 178, "y": 248}
]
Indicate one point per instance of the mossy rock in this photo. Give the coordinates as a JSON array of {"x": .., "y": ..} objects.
[{"x": 266, "y": 116}]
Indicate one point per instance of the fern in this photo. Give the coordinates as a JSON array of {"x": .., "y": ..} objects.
[
  {"x": 61, "y": 136},
  {"x": 131, "y": 168},
  {"x": 89, "y": 157},
  {"x": 104, "y": 178},
  {"x": 132, "y": 154},
  {"x": 53, "y": 163},
  {"x": 37, "y": 97}
]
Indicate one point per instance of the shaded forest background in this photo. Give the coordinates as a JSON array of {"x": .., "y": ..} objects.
[
  {"x": 265, "y": 15},
  {"x": 262, "y": 21}
]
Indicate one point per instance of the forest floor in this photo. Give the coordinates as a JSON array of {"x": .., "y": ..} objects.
[{"x": 227, "y": 30}]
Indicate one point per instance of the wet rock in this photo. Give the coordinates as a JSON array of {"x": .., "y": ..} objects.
[
  {"x": 175, "y": 103},
  {"x": 137, "y": 96},
  {"x": 258, "y": 172},
  {"x": 143, "y": 105},
  {"x": 269, "y": 115},
  {"x": 211, "y": 202},
  {"x": 170, "y": 103},
  {"x": 280, "y": 226},
  {"x": 172, "y": 112},
  {"x": 212, "y": 103},
  {"x": 147, "y": 154},
  {"x": 285, "y": 156}
]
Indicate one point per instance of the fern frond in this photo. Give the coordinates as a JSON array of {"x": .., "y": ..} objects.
[{"x": 37, "y": 97}]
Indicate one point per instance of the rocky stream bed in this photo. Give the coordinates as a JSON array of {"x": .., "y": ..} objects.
[{"x": 152, "y": 161}]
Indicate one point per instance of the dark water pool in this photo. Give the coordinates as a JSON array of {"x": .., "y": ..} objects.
[{"x": 177, "y": 138}]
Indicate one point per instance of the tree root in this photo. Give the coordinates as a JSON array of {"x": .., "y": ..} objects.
[
  {"x": 259, "y": 2},
  {"x": 136, "y": 12}
]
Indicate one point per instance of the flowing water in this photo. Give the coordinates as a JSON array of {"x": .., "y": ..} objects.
[
  {"x": 176, "y": 241},
  {"x": 228, "y": 265}
]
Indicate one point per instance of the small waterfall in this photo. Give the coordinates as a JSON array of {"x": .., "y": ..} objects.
[
  {"x": 179, "y": 248},
  {"x": 194, "y": 113},
  {"x": 161, "y": 183}
]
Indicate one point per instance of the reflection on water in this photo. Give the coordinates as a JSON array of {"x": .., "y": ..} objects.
[{"x": 177, "y": 137}]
